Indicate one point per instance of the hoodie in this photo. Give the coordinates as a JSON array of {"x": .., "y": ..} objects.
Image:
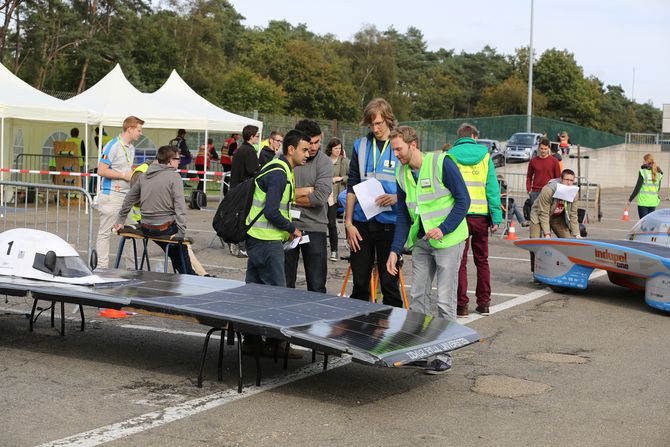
[
  {"x": 467, "y": 152},
  {"x": 160, "y": 193}
]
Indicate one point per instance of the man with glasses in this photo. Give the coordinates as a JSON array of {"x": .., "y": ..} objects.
[
  {"x": 273, "y": 147},
  {"x": 551, "y": 214},
  {"x": 160, "y": 193},
  {"x": 115, "y": 168},
  {"x": 313, "y": 185},
  {"x": 244, "y": 166},
  {"x": 371, "y": 238}
]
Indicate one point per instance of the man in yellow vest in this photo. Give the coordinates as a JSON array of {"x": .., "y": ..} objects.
[
  {"x": 271, "y": 213},
  {"x": 81, "y": 147},
  {"x": 476, "y": 166},
  {"x": 432, "y": 203}
]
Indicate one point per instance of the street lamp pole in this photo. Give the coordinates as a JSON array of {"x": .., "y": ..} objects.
[{"x": 530, "y": 73}]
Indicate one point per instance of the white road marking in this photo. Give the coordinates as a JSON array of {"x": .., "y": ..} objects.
[{"x": 192, "y": 407}]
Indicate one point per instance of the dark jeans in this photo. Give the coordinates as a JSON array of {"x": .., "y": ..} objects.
[
  {"x": 377, "y": 239},
  {"x": 478, "y": 227},
  {"x": 175, "y": 249},
  {"x": 315, "y": 260},
  {"x": 332, "y": 226},
  {"x": 265, "y": 262},
  {"x": 201, "y": 184},
  {"x": 644, "y": 210}
]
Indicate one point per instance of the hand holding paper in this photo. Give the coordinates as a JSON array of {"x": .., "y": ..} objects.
[{"x": 367, "y": 193}]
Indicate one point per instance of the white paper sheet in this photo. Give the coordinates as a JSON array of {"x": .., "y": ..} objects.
[
  {"x": 566, "y": 192},
  {"x": 366, "y": 194},
  {"x": 290, "y": 245}
]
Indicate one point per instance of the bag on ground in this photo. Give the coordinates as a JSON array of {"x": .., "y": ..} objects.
[{"x": 197, "y": 200}]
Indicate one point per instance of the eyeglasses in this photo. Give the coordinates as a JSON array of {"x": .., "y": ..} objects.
[{"x": 176, "y": 158}]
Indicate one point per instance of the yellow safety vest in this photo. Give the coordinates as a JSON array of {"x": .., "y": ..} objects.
[
  {"x": 136, "y": 215},
  {"x": 648, "y": 195},
  {"x": 429, "y": 202},
  {"x": 475, "y": 180},
  {"x": 262, "y": 229}
]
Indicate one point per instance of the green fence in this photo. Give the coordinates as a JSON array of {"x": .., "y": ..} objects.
[{"x": 434, "y": 134}]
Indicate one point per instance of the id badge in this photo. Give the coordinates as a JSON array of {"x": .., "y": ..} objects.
[
  {"x": 425, "y": 183},
  {"x": 389, "y": 164},
  {"x": 295, "y": 214}
]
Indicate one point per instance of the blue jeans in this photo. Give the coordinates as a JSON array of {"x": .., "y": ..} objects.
[
  {"x": 174, "y": 254},
  {"x": 265, "y": 262},
  {"x": 315, "y": 260},
  {"x": 644, "y": 210}
]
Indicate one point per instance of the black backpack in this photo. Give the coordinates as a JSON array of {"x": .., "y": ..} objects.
[
  {"x": 197, "y": 200},
  {"x": 230, "y": 219}
]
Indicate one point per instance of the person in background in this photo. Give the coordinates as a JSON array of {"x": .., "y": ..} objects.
[
  {"x": 340, "y": 176},
  {"x": 541, "y": 169},
  {"x": 245, "y": 165},
  {"x": 160, "y": 194},
  {"x": 272, "y": 148},
  {"x": 200, "y": 161},
  {"x": 647, "y": 187},
  {"x": 230, "y": 145},
  {"x": 115, "y": 169},
  {"x": 185, "y": 156},
  {"x": 313, "y": 185},
  {"x": 564, "y": 143},
  {"x": 81, "y": 146},
  {"x": 512, "y": 209},
  {"x": 476, "y": 166},
  {"x": 557, "y": 156}
]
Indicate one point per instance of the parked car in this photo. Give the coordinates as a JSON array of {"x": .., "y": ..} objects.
[
  {"x": 522, "y": 146},
  {"x": 497, "y": 154}
]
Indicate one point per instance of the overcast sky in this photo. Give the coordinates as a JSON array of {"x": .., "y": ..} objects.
[{"x": 609, "y": 38}]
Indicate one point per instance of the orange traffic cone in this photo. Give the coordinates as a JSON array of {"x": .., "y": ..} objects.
[
  {"x": 112, "y": 313},
  {"x": 511, "y": 232},
  {"x": 625, "y": 215}
]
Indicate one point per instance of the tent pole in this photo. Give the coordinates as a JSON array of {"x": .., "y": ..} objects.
[
  {"x": 204, "y": 167},
  {"x": 88, "y": 147}
]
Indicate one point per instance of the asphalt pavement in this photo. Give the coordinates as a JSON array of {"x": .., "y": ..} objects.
[{"x": 584, "y": 368}]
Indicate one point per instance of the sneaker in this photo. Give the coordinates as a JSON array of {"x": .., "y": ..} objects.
[
  {"x": 525, "y": 224},
  {"x": 234, "y": 249},
  {"x": 483, "y": 310},
  {"x": 333, "y": 256},
  {"x": 462, "y": 311},
  {"x": 437, "y": 366},
  {"x": 242, "y": 254}
]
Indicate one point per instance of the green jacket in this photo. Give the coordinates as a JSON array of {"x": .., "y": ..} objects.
[{"x": 466, "y": 151}]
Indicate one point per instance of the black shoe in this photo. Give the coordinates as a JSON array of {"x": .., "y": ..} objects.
[
  {"x": 525, "y": 224},
  {"x": 437, "y": 366}
]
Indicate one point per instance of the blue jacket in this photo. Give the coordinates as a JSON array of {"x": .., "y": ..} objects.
[{"x": 362, "y": 167}]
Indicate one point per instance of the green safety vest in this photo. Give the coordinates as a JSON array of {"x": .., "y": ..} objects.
[
  {"x": 262, "y": 229},
  {"x": 475, "y": 180},
  {"x": 648, "y": 195},
  {"x": 136, "y": 215},
  {"x": 430, "y": 202}
]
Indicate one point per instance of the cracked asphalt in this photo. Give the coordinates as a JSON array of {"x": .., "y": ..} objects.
[{"x": 567, "y": 369}]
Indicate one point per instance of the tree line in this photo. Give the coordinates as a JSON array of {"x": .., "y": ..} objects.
[{"x": 58, "y": 45}]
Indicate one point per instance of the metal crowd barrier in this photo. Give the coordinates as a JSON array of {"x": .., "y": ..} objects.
[{"x": 63, "y": 210}]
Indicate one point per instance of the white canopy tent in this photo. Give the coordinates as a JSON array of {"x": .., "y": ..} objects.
[{"x": 21, "y": 101}]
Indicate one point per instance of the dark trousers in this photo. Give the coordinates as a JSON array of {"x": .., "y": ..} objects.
[
  {"x": 332, "y": 226},
  {"x": 174, "y": 254},
  {"x": 478, "y": 227},
  {"x": 201, "y": 183},
  {"x": 314, "y": 258},
  {"x": 265, "y": 262},
  {"x": 377, "y": 239},
  {"x": 644, "y": 210}
]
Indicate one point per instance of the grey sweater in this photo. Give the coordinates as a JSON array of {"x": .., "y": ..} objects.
[
  {"x": 160, "y": 193},
  {"x": 317, "y": 172}
]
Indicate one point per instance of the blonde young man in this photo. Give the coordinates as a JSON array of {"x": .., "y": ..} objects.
[
  {"x": 115, "y": 170},
  {"x": 432, "y": 204}
]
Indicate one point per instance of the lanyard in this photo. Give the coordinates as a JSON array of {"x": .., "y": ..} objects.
[
  {"x": 374, "y": 153},
  {"x": 125, "y": 151}
]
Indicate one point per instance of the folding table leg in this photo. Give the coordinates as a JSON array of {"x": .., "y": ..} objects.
[
  {"x": 240, "y": 376},
  {"x": 204, "y": 354}
]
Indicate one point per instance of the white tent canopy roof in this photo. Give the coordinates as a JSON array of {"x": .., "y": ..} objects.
[
  {"x": 19, "y": 99},
  {"x": 177, "y": 91},
  {"x": 113, "y": 98}
]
